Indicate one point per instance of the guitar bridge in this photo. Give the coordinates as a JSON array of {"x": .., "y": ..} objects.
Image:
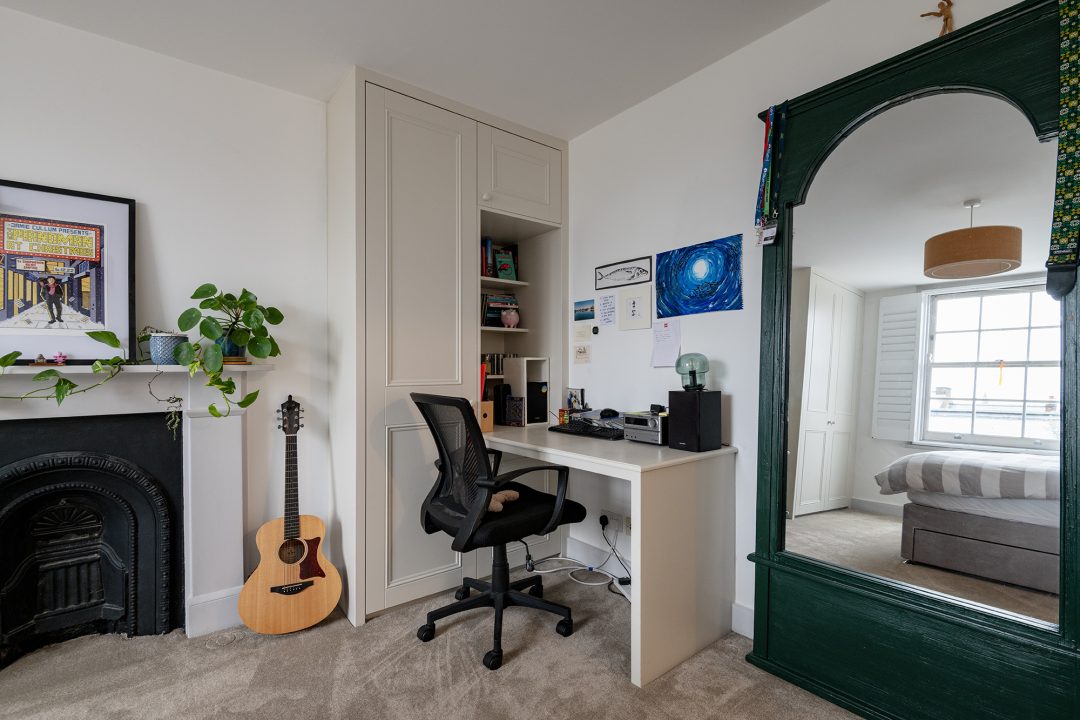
[{"x": 292, "y": 588}]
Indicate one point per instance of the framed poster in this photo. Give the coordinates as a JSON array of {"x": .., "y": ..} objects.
[
  {"x": 67, "y": 267},
  {"x": 626, "y": 272}
]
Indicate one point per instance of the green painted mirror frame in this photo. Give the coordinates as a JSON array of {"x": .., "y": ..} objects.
[{"x": 878, "y": 647}]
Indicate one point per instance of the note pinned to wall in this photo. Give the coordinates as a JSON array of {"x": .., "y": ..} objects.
[
  {"x": 667, "y": 340},
  {"x": 582, "y": 354},
  {"x": 605, "y": 309},
  {"x": 635, "y": 307},
  {"x": 583, "y": 331}
]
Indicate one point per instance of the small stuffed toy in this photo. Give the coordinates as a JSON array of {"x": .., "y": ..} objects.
[{"x": 501, "y": 497}]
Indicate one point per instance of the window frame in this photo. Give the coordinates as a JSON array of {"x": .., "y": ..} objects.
[{"x": 972, "y": 440}]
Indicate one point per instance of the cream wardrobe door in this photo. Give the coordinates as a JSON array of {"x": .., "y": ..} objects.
[
  {"x": 421, "y": 328},
  {"x": 519, "y": 176}
]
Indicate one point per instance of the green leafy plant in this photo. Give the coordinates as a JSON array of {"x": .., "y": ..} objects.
[
  {"x": 220, "y": 316},
  {"x": 61, "y": 387}
]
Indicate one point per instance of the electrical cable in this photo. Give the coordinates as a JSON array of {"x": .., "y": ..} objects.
[{"x": 603, "y": 531}]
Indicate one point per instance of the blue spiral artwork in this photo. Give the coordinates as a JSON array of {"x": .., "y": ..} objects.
[{"x": 700, "y": 278}]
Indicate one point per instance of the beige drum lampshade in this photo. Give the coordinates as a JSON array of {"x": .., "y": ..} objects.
[{"x": 972, "y": 252}]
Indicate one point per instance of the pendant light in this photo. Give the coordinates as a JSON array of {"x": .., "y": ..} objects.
[{"x": 972, "y": 252}]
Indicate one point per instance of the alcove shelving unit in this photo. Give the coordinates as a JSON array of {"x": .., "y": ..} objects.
[{"x": 539, "y": 290}]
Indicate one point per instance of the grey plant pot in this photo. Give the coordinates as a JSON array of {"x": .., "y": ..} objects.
[{"x": 163, "y": 347}]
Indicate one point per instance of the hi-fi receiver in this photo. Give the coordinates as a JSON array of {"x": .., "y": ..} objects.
[{"x": 646, "y": 427}]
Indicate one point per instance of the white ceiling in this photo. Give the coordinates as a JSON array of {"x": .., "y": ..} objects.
[
  {"x": 903, "y": 177},
  {"x": 558, "y": 66}
]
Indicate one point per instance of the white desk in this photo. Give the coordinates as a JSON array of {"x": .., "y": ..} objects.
[{"x": 683, "y": 540}]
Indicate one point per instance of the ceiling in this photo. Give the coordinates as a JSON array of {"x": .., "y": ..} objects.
[
  {"x": 558, "y": 66},
  {"x": 904, "y": 176}
]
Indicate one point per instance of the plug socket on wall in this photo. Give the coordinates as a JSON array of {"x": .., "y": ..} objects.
[{"x": 617, "y": 522}]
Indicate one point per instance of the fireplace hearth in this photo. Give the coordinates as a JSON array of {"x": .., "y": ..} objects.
[{"x": 90, "y": 526}]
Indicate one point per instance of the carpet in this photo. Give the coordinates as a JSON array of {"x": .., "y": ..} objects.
[
  {"x": 382, "y": 672},
  {"x": 871, "y": 543}
]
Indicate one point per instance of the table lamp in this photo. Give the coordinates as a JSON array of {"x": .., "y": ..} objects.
[{"x": 692, "y": 368}]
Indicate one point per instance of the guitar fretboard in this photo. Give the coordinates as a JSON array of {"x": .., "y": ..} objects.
[{"x": 292, "y": 499}]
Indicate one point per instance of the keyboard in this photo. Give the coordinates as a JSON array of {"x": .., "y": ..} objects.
[{"x": 587, "y": 429}]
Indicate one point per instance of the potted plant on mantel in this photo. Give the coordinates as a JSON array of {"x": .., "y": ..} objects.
[
  {"x": 240, "y": 326},
  {"x": 244, "y": 322}
]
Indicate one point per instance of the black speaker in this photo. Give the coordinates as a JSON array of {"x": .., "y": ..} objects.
[
  {"x": 694, "y": 420},
  {"x": 499, "y": 393},
  {"x": 536, "y": 401}
]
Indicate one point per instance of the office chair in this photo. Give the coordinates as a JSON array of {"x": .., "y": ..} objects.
[{"x": 458, "y": 505}]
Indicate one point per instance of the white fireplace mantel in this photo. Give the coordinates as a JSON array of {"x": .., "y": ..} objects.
[{"x": 213, "y": 468}]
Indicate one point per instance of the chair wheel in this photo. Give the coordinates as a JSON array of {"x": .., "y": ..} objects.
[
  {"x": 565, "y": 627},
  {"x": 493, "y": 659},
  {"x": 426, "y": 632},
  {"x": 462, "y": 593},
  {"x": 537, "y": 591}
]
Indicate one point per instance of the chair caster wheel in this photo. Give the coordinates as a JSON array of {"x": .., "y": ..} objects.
[
  {"x": 537, "y": 591},
  {"x": 565, "y": 627},
  {"x": 462, "y": 593},
  {"x": 493, "y": 659},
  {"x": 426, "y": 632}
]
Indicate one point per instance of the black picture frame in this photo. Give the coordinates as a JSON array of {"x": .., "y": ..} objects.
[
  {"x": 111, "y": 275},
  {"x": 629, "y": 264}
]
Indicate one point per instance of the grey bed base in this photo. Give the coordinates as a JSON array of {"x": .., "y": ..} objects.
[{"x": 1014, "y": 552}]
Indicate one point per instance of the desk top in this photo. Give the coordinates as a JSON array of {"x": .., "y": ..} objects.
[{"x": 593, "y": 454}]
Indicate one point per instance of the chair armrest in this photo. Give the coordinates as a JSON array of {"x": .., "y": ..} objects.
[{"x": 560, "y": 492}]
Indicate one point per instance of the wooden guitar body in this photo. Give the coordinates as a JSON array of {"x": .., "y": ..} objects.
[{"x": 294, "y": 586}]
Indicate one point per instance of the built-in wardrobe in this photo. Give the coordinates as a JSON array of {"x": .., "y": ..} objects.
[
  {"x": 415, "y": 182},
  {"x": 826, "y": 336}
]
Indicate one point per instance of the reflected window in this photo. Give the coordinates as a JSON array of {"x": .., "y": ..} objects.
[{"x": 992, "y": 369}]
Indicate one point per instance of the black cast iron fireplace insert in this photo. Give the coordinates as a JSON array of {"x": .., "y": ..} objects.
[{"x": 90, "y": 529}]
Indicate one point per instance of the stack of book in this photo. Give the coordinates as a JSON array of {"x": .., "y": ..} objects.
[
  {"x": 492, "y": 305},
  {"x": 498, "y": 261}
]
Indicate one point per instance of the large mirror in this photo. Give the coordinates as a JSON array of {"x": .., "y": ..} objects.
[{"x": 924, "y": 398}]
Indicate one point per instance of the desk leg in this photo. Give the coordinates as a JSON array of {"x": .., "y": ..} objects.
[{"x": 683, "y": 545}]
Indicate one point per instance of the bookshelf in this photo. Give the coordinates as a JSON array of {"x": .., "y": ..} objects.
[{"x": 540, "y": 293}]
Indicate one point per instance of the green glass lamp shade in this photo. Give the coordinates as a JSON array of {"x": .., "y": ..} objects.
[{"x": 692, "y": 368}]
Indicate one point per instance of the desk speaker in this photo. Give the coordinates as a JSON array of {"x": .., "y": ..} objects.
[{"x": 694, "y": 420}]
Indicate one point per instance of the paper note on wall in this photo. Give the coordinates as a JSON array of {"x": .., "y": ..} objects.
[
  {"x": 582, "y": 354},
  {"x": 667, "y": 339},
  {"x": 605, "y": 309},
  {"x": 635, "y": 307},
  {"x": 583, "y": 331}
]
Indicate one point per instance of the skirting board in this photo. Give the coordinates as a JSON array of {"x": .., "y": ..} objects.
[
  {"x": 211, "y": 612},
  {"x": 877, "y": 508},
  {"x": 742, "y": 619}
]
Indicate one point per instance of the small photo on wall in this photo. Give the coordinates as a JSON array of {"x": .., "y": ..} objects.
[
  {"x": 701, "y": 278},
  {"x": 584, "y": 310}
]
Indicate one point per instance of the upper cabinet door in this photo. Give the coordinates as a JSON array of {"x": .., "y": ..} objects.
[{"x": 519, "y": 176}]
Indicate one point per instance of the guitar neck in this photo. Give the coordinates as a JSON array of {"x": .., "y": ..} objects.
[{"x": 292, "y": 499}]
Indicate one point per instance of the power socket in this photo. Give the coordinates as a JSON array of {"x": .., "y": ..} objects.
[
  {"x": 617, "y": 522},
  {"x": 614, "y": 520}
]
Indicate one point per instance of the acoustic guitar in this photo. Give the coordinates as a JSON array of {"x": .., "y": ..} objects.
[{"x": 294, "y": 586}]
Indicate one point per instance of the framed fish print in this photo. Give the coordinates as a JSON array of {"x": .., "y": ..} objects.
[
  {"x": 627, "y": 272},
  {"x": 67, "y": 265}
]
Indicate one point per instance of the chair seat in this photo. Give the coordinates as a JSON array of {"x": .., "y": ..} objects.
[{"x": 518, "y": 519}]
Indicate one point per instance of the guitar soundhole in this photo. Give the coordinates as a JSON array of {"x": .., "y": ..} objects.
[{"x": 291, "y": 551}]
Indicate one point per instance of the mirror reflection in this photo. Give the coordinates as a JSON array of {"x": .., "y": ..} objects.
[{"x": 925, "y": 369}]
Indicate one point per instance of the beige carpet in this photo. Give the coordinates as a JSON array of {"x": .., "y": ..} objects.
[
  {"x": 871, "y": 543},
  {"x": 381, "y": 671}
]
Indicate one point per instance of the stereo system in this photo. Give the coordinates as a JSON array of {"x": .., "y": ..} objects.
[{"x": 646, "y": 427}]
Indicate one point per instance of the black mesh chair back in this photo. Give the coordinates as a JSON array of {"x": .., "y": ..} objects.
[{"x": 463, "y": 457}]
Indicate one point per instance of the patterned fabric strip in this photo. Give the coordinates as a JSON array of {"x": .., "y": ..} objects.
[{"x": 1063, "y": 249}]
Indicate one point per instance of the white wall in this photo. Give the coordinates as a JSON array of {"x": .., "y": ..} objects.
[
  {"x": 230, "y": 179},
  {"x": 682, "y": 167}
]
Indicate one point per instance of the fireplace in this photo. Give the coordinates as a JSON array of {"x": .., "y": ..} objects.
[{"x": 91, "y": 513}]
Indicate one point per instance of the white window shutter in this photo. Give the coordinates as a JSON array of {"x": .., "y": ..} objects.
[{"x": 897, "y": 367}]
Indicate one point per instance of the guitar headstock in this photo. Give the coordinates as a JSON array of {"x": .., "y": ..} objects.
[{"x": 289, "y": 417}]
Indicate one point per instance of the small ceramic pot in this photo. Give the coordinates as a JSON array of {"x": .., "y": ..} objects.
[
  {"x": 163, "y": 347},
  {"x": 510, "y": 318}
]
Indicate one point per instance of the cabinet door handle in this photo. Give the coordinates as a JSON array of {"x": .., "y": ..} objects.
[
  {"x": 830, "y": 422},
  {"x": 486, "y": 197}
]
